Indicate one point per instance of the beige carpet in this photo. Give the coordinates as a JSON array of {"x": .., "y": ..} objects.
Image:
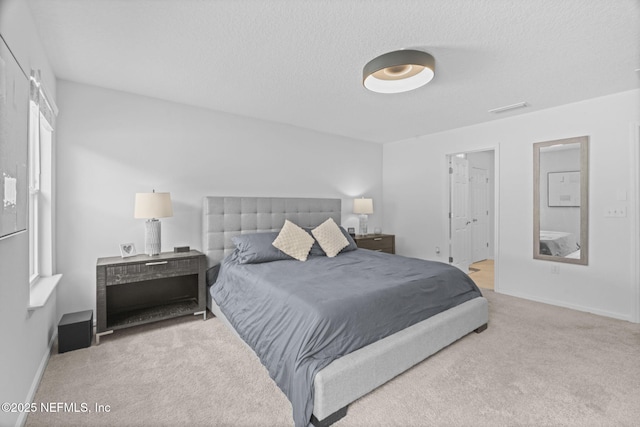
[{"x": 536, "y": 365}]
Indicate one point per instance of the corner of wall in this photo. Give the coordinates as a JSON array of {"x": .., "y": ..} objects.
[{"x": 31, "y": 334}]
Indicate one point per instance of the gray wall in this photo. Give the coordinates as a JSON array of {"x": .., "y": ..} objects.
[
  {"x": 415, "y": 189},
  {"x": 24, "y": 336},
  {"x": 113, "y": 144}
]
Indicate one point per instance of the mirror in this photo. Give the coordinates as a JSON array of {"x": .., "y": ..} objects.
[{"x": 561, "y": 199}]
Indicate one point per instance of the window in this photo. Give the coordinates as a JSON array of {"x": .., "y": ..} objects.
[{"x": 42, "y": 113}]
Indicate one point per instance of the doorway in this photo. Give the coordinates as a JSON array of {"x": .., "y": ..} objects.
[{"x": 471, "y": 214}]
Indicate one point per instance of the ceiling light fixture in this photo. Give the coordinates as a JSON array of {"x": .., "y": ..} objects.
[
  {"x": 508, "y": 107},
  {"x": 399, "y": 71}
]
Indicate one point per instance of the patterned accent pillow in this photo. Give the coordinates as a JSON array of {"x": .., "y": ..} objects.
[
  {"x": 330, "y": 237},
  {"x": 294, "y": 241}
]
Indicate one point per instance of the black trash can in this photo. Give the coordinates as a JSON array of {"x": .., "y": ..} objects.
[{"x": 75, "y": 330}]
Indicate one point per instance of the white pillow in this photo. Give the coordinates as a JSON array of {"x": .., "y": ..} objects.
[
  {"x": 330, "y": 238},
  {"x": 294, "y": 241}
]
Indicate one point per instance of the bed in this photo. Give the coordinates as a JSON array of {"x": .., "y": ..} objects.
[
  {"x": 559, "y": 243},
  {"x": 337, "y": 371}
]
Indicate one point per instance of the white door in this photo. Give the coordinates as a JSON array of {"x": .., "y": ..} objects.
[
  {"x": 460, "y": 237},
  {"x": 479, "y": 214}
]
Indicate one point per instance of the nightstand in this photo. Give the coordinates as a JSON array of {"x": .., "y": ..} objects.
[
  {"x": 143, "y": 289},
  {"x": 377, "y": 242}
]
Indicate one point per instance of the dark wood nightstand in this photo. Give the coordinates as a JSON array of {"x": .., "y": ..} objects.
[
  {"x": 377, "y": 242},
  {"x": 143, "y": 289}
]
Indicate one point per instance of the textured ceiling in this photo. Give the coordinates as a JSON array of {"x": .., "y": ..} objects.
[{"x": 300, "y": 62}]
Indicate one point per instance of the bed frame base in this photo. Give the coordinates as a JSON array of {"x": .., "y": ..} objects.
[
  {"x": 338, "y": 415},
  {"x": 352, "y": 376},
  {"x": 341, "y": 413}
]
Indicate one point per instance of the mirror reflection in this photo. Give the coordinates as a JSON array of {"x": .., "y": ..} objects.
[{"x": 560, "y": 195}]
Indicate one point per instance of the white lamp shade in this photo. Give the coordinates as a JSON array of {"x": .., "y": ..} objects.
[
  {"x": 153, "y": 205},
  {"x": 363, "y": 206}
]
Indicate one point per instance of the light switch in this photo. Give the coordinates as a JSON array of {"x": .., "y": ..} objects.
[{"x": 615, "y": 212}]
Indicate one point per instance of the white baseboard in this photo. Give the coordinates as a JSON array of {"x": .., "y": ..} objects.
[
  {"x": 22, "y": 419},
  {"x": 567, "y": 305}
]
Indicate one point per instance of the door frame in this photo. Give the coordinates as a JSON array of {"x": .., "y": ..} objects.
[{"x": 496, "y": 205}]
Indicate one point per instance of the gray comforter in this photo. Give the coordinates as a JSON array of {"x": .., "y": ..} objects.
[{"x": 300, "y": 316}]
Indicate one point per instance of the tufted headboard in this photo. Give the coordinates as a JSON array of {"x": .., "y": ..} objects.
[{"x": 225, "y": 217}]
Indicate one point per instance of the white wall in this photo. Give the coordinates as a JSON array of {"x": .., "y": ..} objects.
[
  {"x": 24, "y": 336},
  {"x": 113, "y": 144},
  {"x": 414, "y": 186}
]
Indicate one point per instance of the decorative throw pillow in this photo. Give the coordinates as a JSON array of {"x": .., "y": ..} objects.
[
  {"x": 256, "y": 248},
  {"x": 316, "y": 250},
  {"x": 294, "y": 241},
  {"x": 352, "y": 246},
  {"x": 330, "y": 237}
]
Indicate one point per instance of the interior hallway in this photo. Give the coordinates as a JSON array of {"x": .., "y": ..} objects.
[{"x": 482, "y": 273}]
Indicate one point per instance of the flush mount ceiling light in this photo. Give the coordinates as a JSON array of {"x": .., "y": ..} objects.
[{"x": 399, "y": 71}]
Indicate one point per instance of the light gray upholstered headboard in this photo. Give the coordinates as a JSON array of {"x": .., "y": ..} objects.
[{"x": 225, "y": 217}]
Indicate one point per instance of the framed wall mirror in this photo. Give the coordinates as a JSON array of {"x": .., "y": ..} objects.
[{"x": 561, "y": 200}]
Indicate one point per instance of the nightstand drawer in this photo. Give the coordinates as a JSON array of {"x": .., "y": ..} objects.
[
  {"x": 380, "y": 243},
  {"x": 149, "y": 270}
]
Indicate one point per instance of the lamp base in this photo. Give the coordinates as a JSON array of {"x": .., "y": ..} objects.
[
  {"x": 364, "y": 220},
  {"x": 152, "y": 233}
]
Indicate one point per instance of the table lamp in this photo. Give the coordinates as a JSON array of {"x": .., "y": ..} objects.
[
  {"x": 152, "y": 206},
  {"x": 363, "y": 207}
]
